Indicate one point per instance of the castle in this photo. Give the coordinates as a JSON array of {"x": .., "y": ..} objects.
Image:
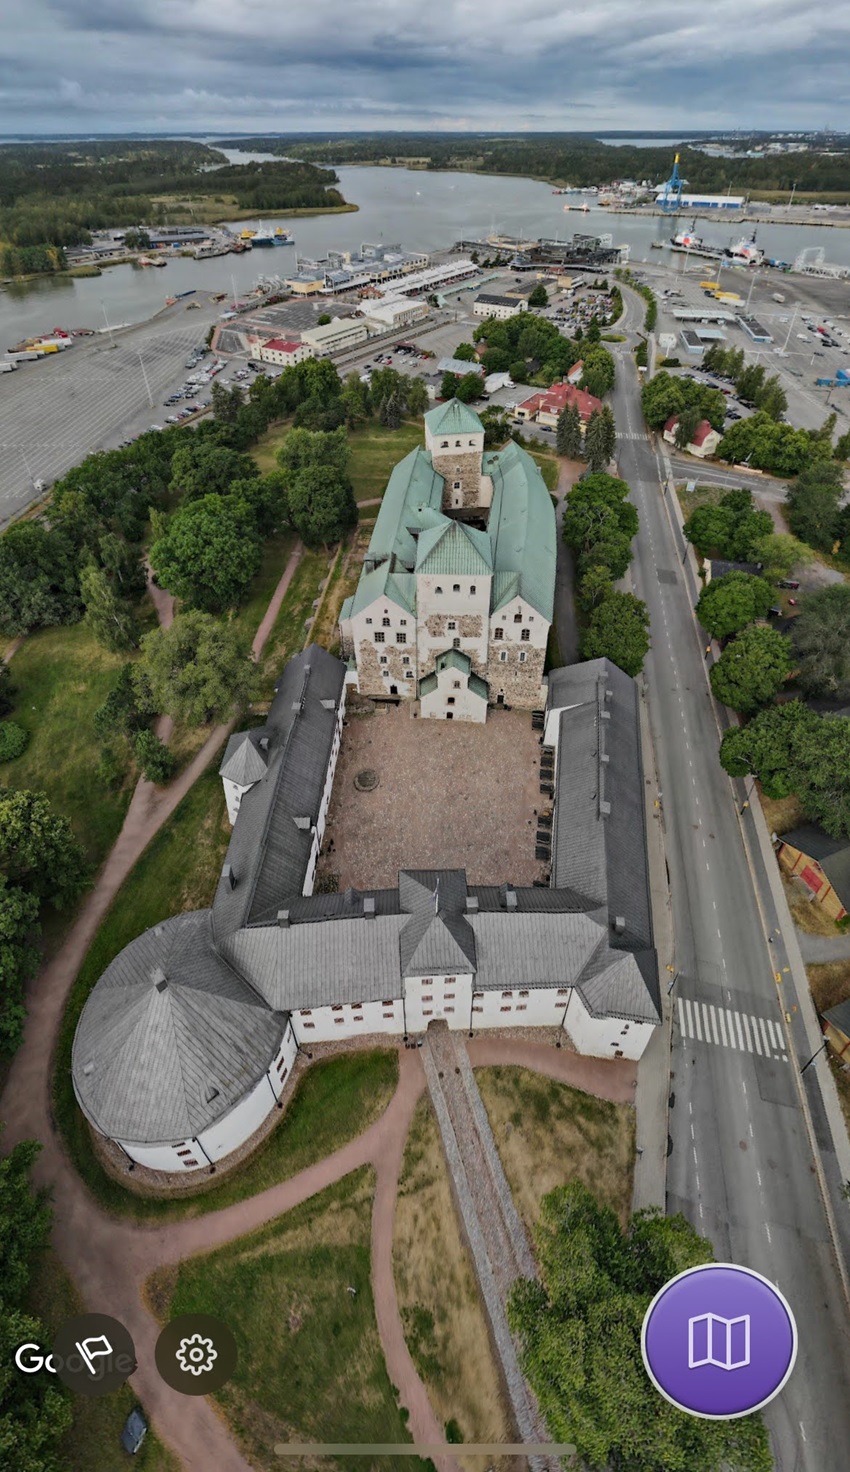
[{"x": 455, "y": 599}]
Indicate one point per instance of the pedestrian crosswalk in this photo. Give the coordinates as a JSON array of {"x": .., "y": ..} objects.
[
  {"x": 630, "y": 435},
  {"x": 706, "y": 1023}
]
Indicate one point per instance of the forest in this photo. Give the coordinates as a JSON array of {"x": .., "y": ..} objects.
[
  {"x": 568, "y": 158},
  {"x": 53, "y": 195}
]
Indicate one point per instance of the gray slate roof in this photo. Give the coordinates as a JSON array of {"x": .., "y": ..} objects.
[
  {"x": 833, "y": 855},
  {"x": 156, "y": 1062},
  {"x": 840, "y": 1017},
  {"x": 268, "y": 853},
  {"x": 244, "y": 760}
]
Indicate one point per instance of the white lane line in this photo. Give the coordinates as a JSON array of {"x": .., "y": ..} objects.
[
  {"x": 803, "y": 1431},
  {"x": 767, "y": 1049},
  {"x": 693, "y": 1136},
  {"x": 681, "y": 1012},
  {"x": 746, "y": 1026},
  {"x": 695, "y": 1155},
  {"x": 702, "y": 1214},
  {"x": 744, "y": 1084},
  {"x": 721, "y": 1018},
  {"x": 758, "y": 1173},
  {"x": 756, "y": 1038},
  {"x": 767, "y": 1229},
  {"x": 751, "y": 1130},
  {"x": 689, "y": 1030},
  {"x": 714, "y": 1031},
  {"x": 697, "y": 1021}
]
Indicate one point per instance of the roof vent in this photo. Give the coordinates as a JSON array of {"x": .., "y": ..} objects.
[
  {"x": 510, "y": 899},
  {"x": 472, "y": 904},
  {"x": 620, "y": 925},
  {"x": 604, "y": 757},
  {"x": 88, "y": 1068},
  {"x": 604, "y": 809},
  {"x": 228, "y": 876},
  {"x": 605, "y": 715},
  {"x": 304, "y": 824},
  {"x": 264, "y": 743},
  {"x": 283, "y": 919},
  {"x": 159, "y": 978},
  {"x": 329, "y": 704},
  {"x": 298, "y": 705},
  {"x": 210, "y": 1095},
  {"x": 368, "y": 907}
]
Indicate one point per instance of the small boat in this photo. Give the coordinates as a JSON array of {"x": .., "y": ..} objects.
[{"x": 283, "y": 237}]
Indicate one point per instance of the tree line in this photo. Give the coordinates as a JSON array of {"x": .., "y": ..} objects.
[
  {"x": 600, "y": 523},
  {"x": 533, "y": 350},
  {"x": 569, "y": 158}
]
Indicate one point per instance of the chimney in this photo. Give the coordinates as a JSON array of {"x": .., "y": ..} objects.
[
  {"x": 304, "y": 824},
  {"x": 228, "y": 876},
  {"x": 604, "y": 757},
  {"x": 604, "y": 809},
  {"x": 264, "y": 743},
  {"x": 368, "y": 907},
  {"x": 472, "y": 904},
  {"x": 329, "y": 704},
  {"x": 283, "y": 919},
  {"x": 510, "y": 899},
  {"x": 620, "y": 925},
  {"x": 159, "y": 978}
]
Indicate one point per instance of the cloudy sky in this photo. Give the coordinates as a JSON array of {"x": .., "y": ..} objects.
[{"x": 234, "y": 65}]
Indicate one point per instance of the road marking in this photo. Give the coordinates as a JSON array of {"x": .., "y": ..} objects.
[
  {"x": 744, "y": 1084},
  {"x": 763, "y": 1026},
  {"x": 803, "y": 1431},
  {"x": 697, "y": 1025},
  {"x": 727, "y": 1028},
  {"x": 774, "y": 1035},
  {"x": 767, "y": 1229},
  {"x": 695, "y": 1154},
  {"x": 714, "y": 1032},
  {"x": 751, "y": 1129},
  {"x": 739, "y": 1032},
  {"x": 758, "y": 1173},
  {"x": 756, "y": 1038},
  {"x": 721, "y": 1017},
  {"x": 693, "y": 1136},
  {"x": 689, "y": 1030},
  {"x": 746, "y": 1026}
]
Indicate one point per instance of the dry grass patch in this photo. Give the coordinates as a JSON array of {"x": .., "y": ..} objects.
[
  {"x": 782, "y": 814},
  {"x": 807, "y": 914},
  {"x": 829, "y": 984},
  {"x": 444, "y": 1320},
  {"x": 548, "y": 1134}
]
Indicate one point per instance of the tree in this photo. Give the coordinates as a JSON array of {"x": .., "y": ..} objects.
[
  {"x": 812, "y": 503},
  {"x": 842, "y": 448},
  {"x": 7, "y": 689},
  {"x": 19, "y": 959},
  {"x": 780, "y": 553},
  {"x": 417, "y": 397},
  {"x": 469, "y": 388},
  {"x": 321, "y": 505},
  {"x": 568, "y": 439},
  {"x": 201, "y": 468},
  {"x": 732, "y": 529},
  {"x": 618, "y": 630},
  {"x": 355, "y": 400},
  {"x": 819, "y": 772},
  {"x": 310, "y": 447},
  {"x": 35, "y": 1409},
  {"x": 323, "y": 319},
  {"x": 199, "y": 669},
  {"x": 763, "y": 748},
  {"x": 731, "y": 602},
  {"x": 320, "y": 413},
  {"x": 579, "y": 1330},
  {"x": 210, "y": 553},
  {"x": 594, "y": 586},
  {"x": 38, "y": 579},
  {"x": 110, "y": 618},
  {"x": 598, "y": 372},
  {"x": 686, "y": 427},
  {"x": 128, "y": 705},
  {"x": 465, "y": 353},
  {"x": 751, "y": 669},
  {"x": 821, "y": 642},
  {"x": 226, "y": 402},
  {"x": 773, "y": 400},
  {"x": 13, "y": 741},
  {"x": 596, "y": 442},
  {"x": 496, "y": 427},
  {"x": 539, "y": 297},
  {"x": 155, "y": 761},
  {"x": 448, "y": 385},
  {"x": 38, "y": 849},
  {"x": 609, "y": 431}
]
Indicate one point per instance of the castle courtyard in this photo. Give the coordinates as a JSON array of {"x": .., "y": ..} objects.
[{"x": 449, "y": 795}]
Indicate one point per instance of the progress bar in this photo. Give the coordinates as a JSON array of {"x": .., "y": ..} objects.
[{"x": 424, "y": 1449}]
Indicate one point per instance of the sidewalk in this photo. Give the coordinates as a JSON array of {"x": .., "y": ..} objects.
[{"x": 820, "y": 948}]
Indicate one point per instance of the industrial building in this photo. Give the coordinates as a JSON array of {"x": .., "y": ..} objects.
[
  {"x": 460, "y": 366},
  {"x": 429, "y": 281},
  {"x": 754, "y": 329},
  {"x": 396, "y": 312},
  {"x": 334, "y": 336}
]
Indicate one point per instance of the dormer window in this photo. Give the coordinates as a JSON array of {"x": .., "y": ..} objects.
[
  {"x": 456, "y": 587},
  {"x": 444, "y": 444},
  {"x": 457, "y": 444},
  {"x": 472, "y": 589},
  {"x": 438, "y": 589}
]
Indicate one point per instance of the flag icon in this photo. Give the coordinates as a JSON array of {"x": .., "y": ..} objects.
[{"x": 92, "y": 1349}]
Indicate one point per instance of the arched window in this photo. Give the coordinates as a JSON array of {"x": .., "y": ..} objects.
[{"x": 438, "y": 589}]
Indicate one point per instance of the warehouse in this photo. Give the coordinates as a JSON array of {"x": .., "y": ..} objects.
[
  {"x": 396, "y": 312},
  {"x": 705, "y": 201},
  {"x": 334, "y": 336}
]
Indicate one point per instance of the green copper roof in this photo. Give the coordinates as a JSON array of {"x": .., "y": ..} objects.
[
  {"x": 413, "y": 489},
  {"x": 397, "y": 588},
  {"x": 453, "y": 417},
  {"x": 454, "y": 548},
  {"x": 454, "y": 659},
  {"x": 522, "y": 528}
]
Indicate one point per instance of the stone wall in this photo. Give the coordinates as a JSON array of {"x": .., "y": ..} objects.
[
  {"x": 434, "y": 637},
  {"x": 370, "y": 678},
  {"x": 462, "y": 465},
  {"x": 520, "y": 682}
]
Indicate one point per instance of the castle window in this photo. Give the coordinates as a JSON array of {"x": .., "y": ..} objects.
[
  {"x": 405, "y": 659},
  {"x": 444, "y": 444},
  {"x": 455, "y": 643},
  {"x": 383, "y": 659},
  {"x": 498, "y": 633},
  {"x": 507, "y": 994},
  {"x": 523, "y": 657},
  {"x": 337, "y": 1007},
  {"x": 401, "y": 638},
  {"x": 455, "y": 587},
  {"x": 472, "y": 589},
  {"x": 379, "y": 636},
  {"x": 451, "y": 624},
  {"x": 503, "y": 657},
  {"x": 457, "y": 444},
  {"x": 385, "y": 622},
  {"x": 438, "y": 589},
  {"x": 408, "y": 674},
  {"x": 472, "y": 443},
  {"x": 517, "y": 618},
  {"x": 450, "y": 700},
  {"x": 525, "y": 635},
  {"x": 403, "y": 622},
  {"x": 456, "y": 485},
  {"x": 455, "y": 684},
  {"x": 368, "y": 620}
]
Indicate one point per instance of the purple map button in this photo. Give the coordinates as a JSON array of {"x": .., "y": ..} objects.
[{"x": 719, "y": 1341}]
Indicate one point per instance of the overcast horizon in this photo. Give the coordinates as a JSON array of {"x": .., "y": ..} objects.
[{"x": 240, "y": 66}]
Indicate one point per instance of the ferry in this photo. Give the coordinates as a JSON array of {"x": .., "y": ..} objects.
[
  {"x": 265, "y": 236},
  {"x": 745, "y": 252},
  {"x": 584, "y": 208}
]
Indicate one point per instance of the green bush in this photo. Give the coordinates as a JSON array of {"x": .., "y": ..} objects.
[{"x": 13, "y": 741}]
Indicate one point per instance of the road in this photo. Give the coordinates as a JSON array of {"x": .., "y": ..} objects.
[
  {"x": 740, "y": 1166},
  {"x": 56, "y": 411}
]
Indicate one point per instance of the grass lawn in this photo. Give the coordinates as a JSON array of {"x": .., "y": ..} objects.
[
  {"x": 547, "y": 462},
  {"x": 276, "y": 553},
  {"x": 93, "y": 1442},
  {"x": 441, "y": 1309},
  {"x": 806, "y": 913},
  {"x": 61, "y": 676},
  {"x": 289, "y": 630},
  {"x": 374, "y": 452},
  {"x": 548, "y": 1134},
  {"x": 782, "y": 814},
  {"x": 310, "y": 1364}
]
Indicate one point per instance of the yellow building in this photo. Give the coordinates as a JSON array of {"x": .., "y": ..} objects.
[{"x": 822, "y": 863}]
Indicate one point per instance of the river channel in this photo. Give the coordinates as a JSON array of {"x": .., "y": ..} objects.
[{"x": 420, "y": 210}]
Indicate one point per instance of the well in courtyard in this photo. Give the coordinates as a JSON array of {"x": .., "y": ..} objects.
[{"x": 448, "y": 796}]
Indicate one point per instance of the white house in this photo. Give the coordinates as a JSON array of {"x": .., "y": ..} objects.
[
  {"x": 282, "y": 350},
  {"x": 487, "y": 304},
  {"x": 186, "y": 1042},
  {"x": 333, "y": 337}
]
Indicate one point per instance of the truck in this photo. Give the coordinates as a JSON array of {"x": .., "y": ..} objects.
[
  {"x": 28, "y": 356},
  {"x": 7, "y": 367},
  {"x": 778, "y": 296},
  {"x": 824, "y": 383}
]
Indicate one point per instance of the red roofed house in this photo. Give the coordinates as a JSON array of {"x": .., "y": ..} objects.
[
  {"x": 545, "y": 407},
  {"x": 575, "y": 372},
  {"x": 705, "y": 439},
  {"x": 282, "y": 350}
]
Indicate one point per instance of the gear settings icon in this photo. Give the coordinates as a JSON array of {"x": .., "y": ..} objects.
[{"x": 196, "y": 1354}]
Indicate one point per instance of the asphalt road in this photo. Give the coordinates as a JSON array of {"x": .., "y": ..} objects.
[
  {"x": 740, "y": 1166},
  {"x": 56, "y": 411}
]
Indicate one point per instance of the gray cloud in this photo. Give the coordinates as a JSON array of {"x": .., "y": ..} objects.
[{"x": 547, "y": 64}]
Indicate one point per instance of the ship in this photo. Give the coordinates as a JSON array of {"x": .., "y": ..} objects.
[
  {"x": 214, "y": 248},
  {"x": 745, "y": 252},
  {"x": 584, "y": 208},
  {"x": 152, "y": 261},
  {"x": 265, "y": 236},
  {"x": 283, "y": 237}
]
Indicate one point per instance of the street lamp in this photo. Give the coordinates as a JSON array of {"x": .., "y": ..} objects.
[
  {"x": 750, "y": 292},
  {"x": 824, "y": 1044},
  {"x": 145, "y": 377},
  {"x": 106, "y": 320}
]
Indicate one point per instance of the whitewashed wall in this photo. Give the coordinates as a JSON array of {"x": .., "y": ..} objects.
[
  {"x": 437, "y": 997},
  {"x": 325, "y": 1024},
  {"x": 605, "y": 1037},
  {"x": 519, "y": 1006}
]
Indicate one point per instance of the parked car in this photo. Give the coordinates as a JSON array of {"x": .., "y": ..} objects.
[
  {"x": 791, "y": 583},
  {"x": 134, "y": 1431},
  {"x": 171, "y": 418}
]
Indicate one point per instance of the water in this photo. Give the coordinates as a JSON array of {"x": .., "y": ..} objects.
[
  {"x": 668, "y": 141},
  {"x": 423, "y": 210}
]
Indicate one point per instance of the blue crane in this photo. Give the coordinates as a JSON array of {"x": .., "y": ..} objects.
[{"x": 670, "y": 199}]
